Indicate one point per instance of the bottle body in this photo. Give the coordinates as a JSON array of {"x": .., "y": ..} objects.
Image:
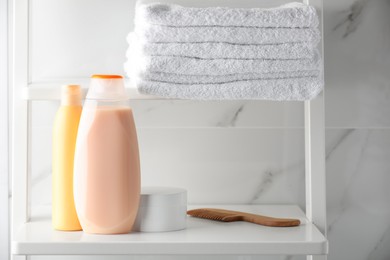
[
  {"x": 66, "y": 123},
  {"x": 107, "y": 169}
]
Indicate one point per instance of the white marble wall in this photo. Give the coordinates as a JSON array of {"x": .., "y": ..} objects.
[
  {"x": 255, "y": 146},
  {"x": 357, "y": 63}
]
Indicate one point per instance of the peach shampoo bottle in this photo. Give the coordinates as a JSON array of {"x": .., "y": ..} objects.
[
  {"x": 66, "y": 123},
  {"x": 107, "y": 168}
]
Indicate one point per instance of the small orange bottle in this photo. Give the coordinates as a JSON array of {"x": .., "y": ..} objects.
[{"x": 65, "y": 129}]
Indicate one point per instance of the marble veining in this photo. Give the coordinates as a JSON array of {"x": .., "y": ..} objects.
[
  {"x": 357, "y": 58},
  {"x": 270, "y": 178},
  {"x": 352, "y": 17},
  {"x": 380, "y": 251},
  {"x": 336, "y": 143},
  {"x": 358, "y": 197},
  {"x": 266, "y": 181},
  {"x": 231, "y": 117},
  {"x": 343, "y": 202}
]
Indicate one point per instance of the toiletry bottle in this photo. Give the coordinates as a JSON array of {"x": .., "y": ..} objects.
[
  {"x": 66, "y": 123},
  {"x": 107, "y": 168}
]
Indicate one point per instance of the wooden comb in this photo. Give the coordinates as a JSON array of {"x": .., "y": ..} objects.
[{"x": 230, "y": 216}]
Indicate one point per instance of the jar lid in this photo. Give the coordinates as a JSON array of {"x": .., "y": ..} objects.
[{"x": 163, "y": 197}]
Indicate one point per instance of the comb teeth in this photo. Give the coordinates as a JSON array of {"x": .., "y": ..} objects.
[
  {"x": 231, "y": 215},
  {"x": 204, "y": 213}
]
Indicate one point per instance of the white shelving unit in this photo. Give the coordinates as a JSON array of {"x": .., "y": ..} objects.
[{"x": 34, "y": 236}]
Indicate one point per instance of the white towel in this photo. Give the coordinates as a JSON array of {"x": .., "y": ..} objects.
[
  {"x": 226, "y": 53},
  {"x": 272, "y": 89},
  {"x": 289, "y": 15},
  {"x": 217, "y": 79},
  {"x": 194, "y": 66},
  {"x": 215, "y": 50},
  {"x": 236, "y": 35}
]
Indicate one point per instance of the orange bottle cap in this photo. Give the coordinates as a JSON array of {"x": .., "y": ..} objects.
[
  {"x": 107, "y": 87},
  {"x": 104, "y": 76}
]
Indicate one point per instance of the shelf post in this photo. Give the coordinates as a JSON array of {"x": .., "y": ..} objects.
[
  {"x": 4, "y": 133},
  {"x": 315, "y": 164},
  {"x": 315, "y": 150},
  {"x": 21, "y": 119}
]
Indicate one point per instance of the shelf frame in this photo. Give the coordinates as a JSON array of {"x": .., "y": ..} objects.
[{"x": 24, "y": 93}]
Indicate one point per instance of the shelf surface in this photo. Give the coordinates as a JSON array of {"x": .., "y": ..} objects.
[
  {"x": 53, "y": 92},
  {"x": 201, "y": 237}
]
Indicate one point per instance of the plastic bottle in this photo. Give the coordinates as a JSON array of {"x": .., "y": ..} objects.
[
  {"x": 107, "y": 169},
  {"x": 66, "y": 123}
]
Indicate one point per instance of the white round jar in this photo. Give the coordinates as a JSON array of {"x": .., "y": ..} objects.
[{"x": 161, "y": 209}]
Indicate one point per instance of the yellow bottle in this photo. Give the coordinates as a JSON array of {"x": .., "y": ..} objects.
[{"x": 65, "y": 128}]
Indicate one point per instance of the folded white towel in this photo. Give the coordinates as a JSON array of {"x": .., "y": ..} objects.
[
  {"x": 215, "y": 50},
  {"x": 237, "y": 35},
  {"x": 217, "y": 79},
  {"x": 194, "y": 66},
  {"x": 226, "y": 53},
  {"x": 289, "y": 15},
  {"x": 272, "y": 89}
]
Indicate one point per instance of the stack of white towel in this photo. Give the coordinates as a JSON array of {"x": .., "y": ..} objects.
[{"x": 226, "y": 53}]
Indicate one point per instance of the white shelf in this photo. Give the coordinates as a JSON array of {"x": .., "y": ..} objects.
[
  {"x": 202, "y": 237},
  {"x": 53, "y": 92}
]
